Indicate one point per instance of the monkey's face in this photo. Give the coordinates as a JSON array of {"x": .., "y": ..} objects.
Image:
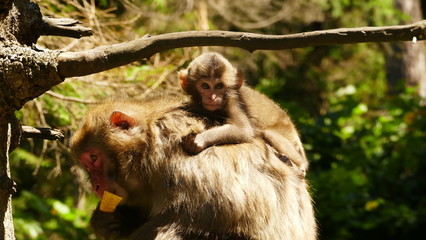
[
  {"x": 212, "y": 93},
  {"x": 104, "y": 158}
]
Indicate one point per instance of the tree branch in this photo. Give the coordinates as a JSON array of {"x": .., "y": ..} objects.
[
  {"x": 41, "y": 133},
  {"x": 64, "y": 27},
  {"x": 72, "y": 64}
]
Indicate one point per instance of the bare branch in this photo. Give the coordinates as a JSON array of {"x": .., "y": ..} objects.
[
  {"x": 160, "y": 80},
  {"x": 105, "y": 83},
  {"x": 64, "y": 27},
  {"x": 69, "y": 99},
  {"x": 41, "y": 133},
  {"x": 106, "y": 57}
]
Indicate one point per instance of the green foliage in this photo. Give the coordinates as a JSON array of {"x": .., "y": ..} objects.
[
  {"x": 25, "y": 158},
  {"x": 355, "y": 13},
  {"x": 367, "y": 167},
  {"x": 48, "y": 218},
  {"x": 44, "y": 206}
]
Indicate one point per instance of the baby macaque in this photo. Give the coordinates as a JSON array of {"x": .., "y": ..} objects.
[{"x": 217, "y": 90}]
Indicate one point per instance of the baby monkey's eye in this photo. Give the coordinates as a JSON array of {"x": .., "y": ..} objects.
[
  {"x": 205, "y": 86},
  {"x": 219, "y": 86}
]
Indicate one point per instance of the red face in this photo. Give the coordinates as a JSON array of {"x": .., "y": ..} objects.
[
  {"x": 212, "y": 93},
  {"x": 93, "y": 160}
]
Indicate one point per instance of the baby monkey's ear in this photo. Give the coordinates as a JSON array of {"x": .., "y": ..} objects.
[
  {"x": 183, "y": 80},
  {"x": 240, "y": 79}
]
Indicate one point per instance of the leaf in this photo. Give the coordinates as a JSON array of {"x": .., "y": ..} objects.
[{"x": 360, "y": 109}]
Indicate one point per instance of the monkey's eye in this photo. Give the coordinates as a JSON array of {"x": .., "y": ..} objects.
[
  {"x": 205, "y": 86},
  {"x": 219, "y": 86},
  {"x": 93, "y": 158}
]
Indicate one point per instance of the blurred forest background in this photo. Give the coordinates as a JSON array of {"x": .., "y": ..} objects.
[{"x": 357, "y": 107}]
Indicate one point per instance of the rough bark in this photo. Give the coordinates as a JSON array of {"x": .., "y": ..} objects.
[
  {"x": 21, "y": 21},
  {"x": 25, "y": 73},
  {"x": 6, "y": 183}
]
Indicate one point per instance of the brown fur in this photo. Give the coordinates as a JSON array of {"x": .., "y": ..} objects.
[{"x": 240, "y": 191}]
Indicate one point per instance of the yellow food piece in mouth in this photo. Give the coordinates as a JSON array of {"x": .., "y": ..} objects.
[{"x": 109, "y": 202}]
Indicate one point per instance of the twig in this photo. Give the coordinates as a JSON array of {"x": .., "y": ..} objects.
[
  {"x": 160, "y": 80},
  {"x": 41, "y": 133},
  {"x": 106, "y": 84},
  {"x": 70, "y": 99}
]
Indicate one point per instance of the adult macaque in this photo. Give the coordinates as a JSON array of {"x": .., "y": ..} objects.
[
  {"x": 216, "y": 88},
  {"x": 133, "y": 149}
]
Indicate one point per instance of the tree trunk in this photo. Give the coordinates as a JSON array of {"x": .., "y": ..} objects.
[
  {"x": 24, "y": 72},
  {"x": 408, "y": 59},
  {"x": 6, "y": 184},
  {"x": 414, "y": 56}
]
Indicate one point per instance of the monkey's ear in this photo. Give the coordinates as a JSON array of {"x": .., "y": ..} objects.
[
  {"x": 122, "y": 120},
  {"x": 240, "y": 79},
  {"x": 183, "y": 80}
]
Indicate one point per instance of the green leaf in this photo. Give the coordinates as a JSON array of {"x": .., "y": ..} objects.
[
  {"x": 360, "y": 109},
  {"x": 61, "y": 208}
]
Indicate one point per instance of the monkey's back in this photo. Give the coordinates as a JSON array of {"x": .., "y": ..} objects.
[{"x": 265, "y": 113}]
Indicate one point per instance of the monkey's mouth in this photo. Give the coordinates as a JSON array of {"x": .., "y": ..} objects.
[
  {"x": 212, "y": 107},
  {"x": 99, "y": 189}
]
